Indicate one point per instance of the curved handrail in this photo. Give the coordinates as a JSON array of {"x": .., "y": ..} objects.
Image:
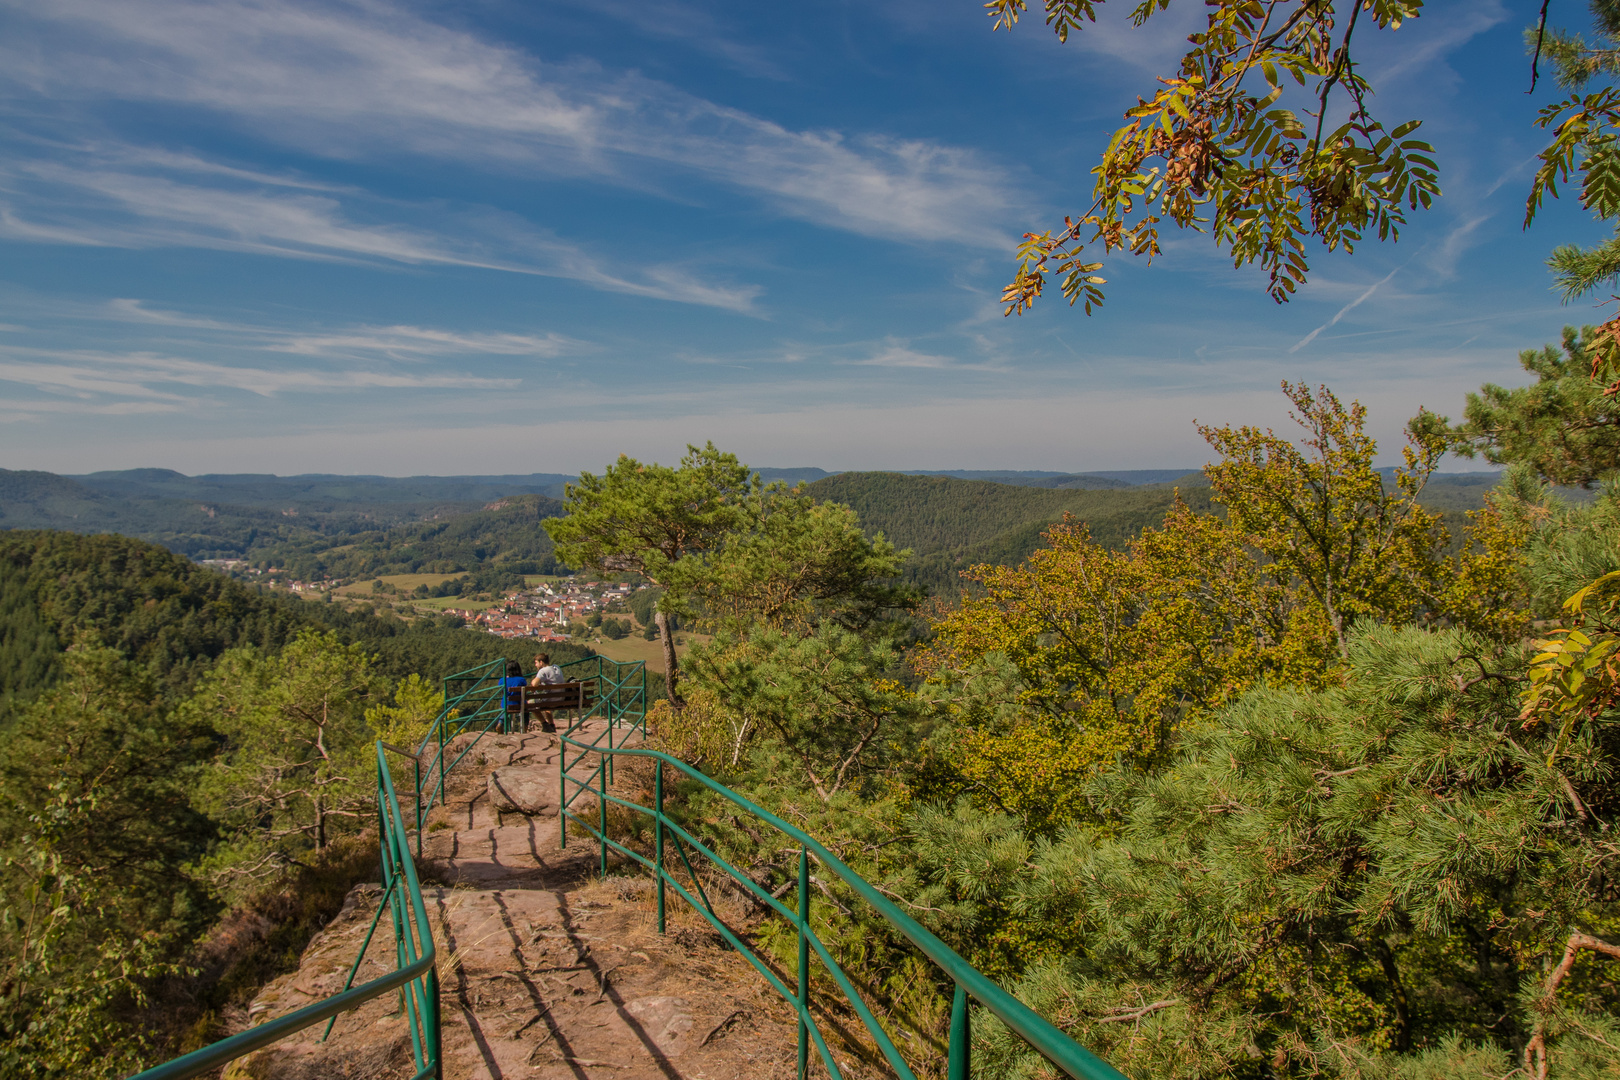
[
  {"x": 217, "y": 1054},
  {"x": 417, "y": 976},
  {"x": 1040, "y": 1033}
]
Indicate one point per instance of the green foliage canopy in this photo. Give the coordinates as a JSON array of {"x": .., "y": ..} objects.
[
  {"x": 1563, "y": 425},
  {"x": 1323, "y": 514},
  {"x": 660, "y": 522},
  {"x": 295, "y": 767},
  {"x": 1323, "y": 881},
  {"x": 96, "y": 815}
]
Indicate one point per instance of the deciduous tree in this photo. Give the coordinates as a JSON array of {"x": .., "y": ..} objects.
[
  {"x": 1322, "y": 512},
  {"x": 1217, "y": 147}
]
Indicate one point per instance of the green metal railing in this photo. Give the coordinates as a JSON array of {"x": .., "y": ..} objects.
[
  {"x": 621, "y": 692},
  {"x": 1057, "y": 1047},
  {"x": 475, "y": 700},
  {"x": 415, "y": 977}
]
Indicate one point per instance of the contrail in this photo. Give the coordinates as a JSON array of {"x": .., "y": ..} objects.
[{"x": 1310, "y": 337}]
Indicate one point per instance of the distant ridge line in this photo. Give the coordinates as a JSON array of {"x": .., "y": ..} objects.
[{"x": 1105, "y": 478}]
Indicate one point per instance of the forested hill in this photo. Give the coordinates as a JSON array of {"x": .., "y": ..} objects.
[
  {"x": 339, "y": 526},
  {"x": 952, "y": 524},
  {"x": 197, "y": 527},
  {"x": 362, "y": 527},
  {"x": 175, "y": 618},
  {"x": 321, "y": 492},
  {"x": 504, "y": 537}
]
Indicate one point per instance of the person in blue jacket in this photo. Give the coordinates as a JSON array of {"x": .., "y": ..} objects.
[{"x": 514, "y": 684}]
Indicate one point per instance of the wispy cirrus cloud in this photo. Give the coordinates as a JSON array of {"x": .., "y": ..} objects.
[
  {"x": 889, "y": 352},
  {"x": 396, "y": 342},
  {"x": 415, "y": 342},
  {"x": 1342, "y": 312},
  {"x": 894, "y": 354},
  {"x": 1438, "y": 38},
  {"x": 694, "y": 27},
  {"x": 158, "y": 376},
  {"x": 203, "y": 364},
  {"x": 365, "y": 79},
  {"x": 133, "y": 197}
]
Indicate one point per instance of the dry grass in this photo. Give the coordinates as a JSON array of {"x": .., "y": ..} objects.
[
  {"x": 635, "y": 647},
  {"x": 260, "y": 937}
]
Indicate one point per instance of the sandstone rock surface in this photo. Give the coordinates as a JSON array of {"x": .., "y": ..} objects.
[
  {"x": 523, "y": 789},
  {"x": 547, "y": 972}
]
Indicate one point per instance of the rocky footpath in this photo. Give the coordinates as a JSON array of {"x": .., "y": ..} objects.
[{"x": 546, "y": 971}]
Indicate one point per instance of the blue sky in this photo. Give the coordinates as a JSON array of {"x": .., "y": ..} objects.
[{"x": 512, "y": 236}]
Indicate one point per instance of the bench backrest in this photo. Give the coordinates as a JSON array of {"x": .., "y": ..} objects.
[{"x": 566, "y": 695}]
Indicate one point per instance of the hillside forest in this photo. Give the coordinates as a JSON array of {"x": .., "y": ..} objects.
[
  {"x": 320, "y": 530},
  {"x": 1289, "y": 773}
]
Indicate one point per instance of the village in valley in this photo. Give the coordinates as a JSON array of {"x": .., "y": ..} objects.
[
  {"x": 544, "y": 611},
  {"x": 563, "y": 609}
]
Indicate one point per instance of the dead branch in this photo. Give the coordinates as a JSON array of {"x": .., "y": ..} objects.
[
  {"x": 1137, "y": 1014},
  {"x": 1535, "y": 1051},
  {"x": 736, "y": 1013}
]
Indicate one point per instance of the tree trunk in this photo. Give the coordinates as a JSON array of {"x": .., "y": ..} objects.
[
  {"x": 1397, "y": 991},
  {"x": 671, "y": 672}
]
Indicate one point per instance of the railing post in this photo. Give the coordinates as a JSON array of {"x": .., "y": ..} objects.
[
  {"x": 601, "y": 812},
  {"x": 441, "y": 763},
  {"x": 658, "y": 835},
  {"x": 961, "y": 1033},
  {"x": 562, "y": 793},
  {"x": 416, "y": 787},
  {"x": 804, "y": 963},
  {"x": 432, "y": 986}
]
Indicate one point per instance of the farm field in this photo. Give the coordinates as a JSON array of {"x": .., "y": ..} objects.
[
  {"x": 443, "y": 603},
  {"x": 402, "y": 583},
  {"x": 407, "y": 582},
  {"x": 636, "y": 647}
]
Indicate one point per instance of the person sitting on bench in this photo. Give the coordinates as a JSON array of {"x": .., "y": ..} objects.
[
  {"x": 513, "y": 686},
  {"x": 546, "y": 673}
]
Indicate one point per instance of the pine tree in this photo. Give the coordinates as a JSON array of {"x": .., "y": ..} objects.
[{"x": 1373, "y": 880}]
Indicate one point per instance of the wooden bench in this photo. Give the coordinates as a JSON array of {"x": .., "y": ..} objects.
[
  {"x": 549, "y": 698},
  {"x": 565, "y": 695}
]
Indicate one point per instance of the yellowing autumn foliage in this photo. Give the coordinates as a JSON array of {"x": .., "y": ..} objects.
[{"x": 1111, "y": 652}]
